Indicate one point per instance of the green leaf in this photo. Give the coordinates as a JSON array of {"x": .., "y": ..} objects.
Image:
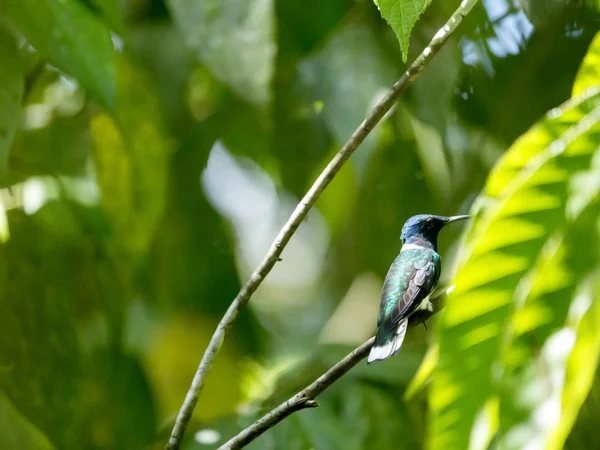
[
  {"x": 592, "y": 4},
  {"x": 423, "y": 374},
  {"x": 17, "y": 431},
  {"x": 11, "y": 92},
  {"x": 234, "y": 39},
  {"x": 113, "y": 12},
  {"x": 589, "y": 71},
  {"x": 581, "y": 367},
  {"x": 430, "y": 149},
  {"x": 131, "y": 153},
  {"x": 542, "y": 326},
  {"x": 402, "y": 15},
  {"x": 72, "y": 38},
  {"x": 40, "y": 354},
  {"x": 34, "y": 151},
  {"x": 525, "y": 203},
  {"x": 376, "y": 419},
  {"x": 543, "y": 320}
]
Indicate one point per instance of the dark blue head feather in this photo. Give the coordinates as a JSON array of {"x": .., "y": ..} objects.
[{"x": 425, "y": 227}]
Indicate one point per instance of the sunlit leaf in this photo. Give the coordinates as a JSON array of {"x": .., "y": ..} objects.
[
  {"x": 423, "y": 374},
  {"x": 528, "y": 147},
  {"x": 17, "y": 431},
  {"x": 402, "y": 15},
  {"x": 536, "y": 140},
  {"x": 11, "y": 92},
  {"x": 589, "y": 71},
  {"x": 581, "y": 367},
  {"x": 234, "y": 39},
  {"x": 4, "y": 229},
  {"x": 540, "y": 327},
  {"x": 528, "y": 207},
  {"x": 72, "y": 38},
  {"x": 170, "y": 371}
]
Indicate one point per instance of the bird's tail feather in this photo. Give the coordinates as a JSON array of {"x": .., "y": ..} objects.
[{"x": 390, "y": 347}]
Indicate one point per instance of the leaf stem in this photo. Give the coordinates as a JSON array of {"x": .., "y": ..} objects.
[{"x": 185, "y": 413}]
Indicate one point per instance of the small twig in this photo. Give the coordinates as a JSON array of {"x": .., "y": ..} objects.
[
  {"x": 359, "y": 135},
  {"x": 306, "y": 397}
]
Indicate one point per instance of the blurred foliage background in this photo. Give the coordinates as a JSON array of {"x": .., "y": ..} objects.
[{"x": 150, "y": 151}]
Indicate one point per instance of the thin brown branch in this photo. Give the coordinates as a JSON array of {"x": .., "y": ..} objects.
[
  {"x": 306, "y": 397},
  {"x": 359, "y": 135}
]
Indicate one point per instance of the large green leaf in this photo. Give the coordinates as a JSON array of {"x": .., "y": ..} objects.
[
  {"x": 542, "y": 326},
  {"x": 589, "y": 71},
  {"x": 524, "y": 204},
  {"x": 234, "y": 39},
  {"x": 11, "y": 92},
  {"x": 402, "y": 15},
  {"x": 581, "y": 367},
  {"x": 72, "y": 38}
]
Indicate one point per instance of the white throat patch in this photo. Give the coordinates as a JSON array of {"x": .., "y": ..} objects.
[{"x": 410, "y": 247}]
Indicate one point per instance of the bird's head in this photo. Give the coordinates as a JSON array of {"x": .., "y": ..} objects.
[{"x": 426, "y": 226}]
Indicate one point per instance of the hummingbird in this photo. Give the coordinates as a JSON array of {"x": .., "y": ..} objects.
[{"x": 412, "y": 277}]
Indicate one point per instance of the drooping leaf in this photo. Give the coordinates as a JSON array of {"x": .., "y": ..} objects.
[
  {"x": 73, "y": 39},
  {"x": 402, "y": 15},
  {"x": 11, "y": 92},
  {"x": 234, "y": 39},
  {"x": 517, "y": 217},
  {"x": 589, "y": 71},
  {"x": 430, "y": 149}
]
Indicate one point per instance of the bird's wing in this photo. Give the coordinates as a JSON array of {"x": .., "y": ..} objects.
[{"x": 418, "y": 280}]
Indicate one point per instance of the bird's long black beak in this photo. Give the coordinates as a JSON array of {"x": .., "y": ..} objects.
[{"x": 457, "y": 218}]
